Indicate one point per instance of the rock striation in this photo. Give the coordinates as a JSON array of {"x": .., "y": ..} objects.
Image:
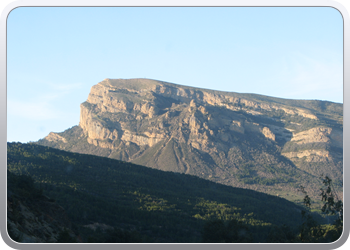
[{"x": 243, "y": 140}]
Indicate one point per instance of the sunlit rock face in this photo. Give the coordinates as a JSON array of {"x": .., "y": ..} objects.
[
  {"x": 138, "y": 97},
  {"x": 242, "y": 140}
]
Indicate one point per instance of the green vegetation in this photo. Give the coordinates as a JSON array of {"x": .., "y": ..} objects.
[
  {"x": 147, "y": 204},
  {"x": 140, "y": 204},
  {"x": 232, "y": 231},
  {"x": 311, "y": 230},
  {"x": 64, "y": 237}
]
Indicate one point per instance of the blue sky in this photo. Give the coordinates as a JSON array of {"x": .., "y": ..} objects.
[{"x": 56, "y": 54}]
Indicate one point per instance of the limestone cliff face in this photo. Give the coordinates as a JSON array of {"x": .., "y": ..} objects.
[
  {"x": 268, "y": 134},
  {"x": 319, "y": 134},
  {"x": 138, "y": 97},
  {"x": 311, "y": 155},
  {"x": 211, "y": 134},
  {"x": 317, "y": 146}
]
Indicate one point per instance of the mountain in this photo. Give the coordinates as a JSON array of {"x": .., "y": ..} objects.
[{"x": 263, "y": 143}]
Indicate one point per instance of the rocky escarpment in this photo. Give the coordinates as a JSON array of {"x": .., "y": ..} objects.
[
  {"x": 243, "y": 140},
  {"x": 316, "y": 147},
  {"x": 139, "y": 98}
]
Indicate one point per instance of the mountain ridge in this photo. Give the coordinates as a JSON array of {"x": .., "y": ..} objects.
[{"x": 245, "y": 140}]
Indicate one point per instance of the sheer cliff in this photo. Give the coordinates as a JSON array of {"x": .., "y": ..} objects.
[{"x": 244, "y": 140}]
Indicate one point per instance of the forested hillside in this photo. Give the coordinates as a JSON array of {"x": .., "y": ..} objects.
[{"x": 108, "y": 200}]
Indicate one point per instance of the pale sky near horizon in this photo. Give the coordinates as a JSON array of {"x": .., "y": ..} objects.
[{"x": 56, "y": 54}]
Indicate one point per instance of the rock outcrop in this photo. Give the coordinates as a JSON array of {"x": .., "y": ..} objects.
[
  {"x": 212, "y": 134},
  {"x": 319, "y": 134},
  {"x": 139, "y": 98},
  {"x": 55, "y": 138}
]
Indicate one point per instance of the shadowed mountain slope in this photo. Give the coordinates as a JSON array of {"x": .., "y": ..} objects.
[{"x": 161, "y": 206}]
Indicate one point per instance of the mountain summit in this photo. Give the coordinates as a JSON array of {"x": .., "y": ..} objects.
[{"x": 263, "y": 143}]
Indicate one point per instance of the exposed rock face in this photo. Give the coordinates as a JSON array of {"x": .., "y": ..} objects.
[
  {"x": 268, "y": 134},
  {"x": 317, "y": 146},
  {"x": 320, "y": 134},
  {"x": 55, "y": 138},
  {"x": 310, "y": 155},
  {"x": 211, "y": 134},
  {"x": 111, "y": 97}
]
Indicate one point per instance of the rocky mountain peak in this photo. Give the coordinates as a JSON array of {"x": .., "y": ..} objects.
[{"x": 243, "y": 140}]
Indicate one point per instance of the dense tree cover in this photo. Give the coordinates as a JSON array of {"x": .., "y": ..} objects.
[
  {"x": 64, "y": 237},
  {"x": 23, "y": 186},
  {"x": 232, "y": 231},
  {"x": 32, "y": 216},
  {"x": 147, "y": 205},
  {"x": 19, "y": 187},
  {"x": 309, "y": 231}
]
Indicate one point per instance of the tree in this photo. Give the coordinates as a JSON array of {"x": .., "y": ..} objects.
[
  {"x": 310, "y": 230},
  {"x": 232, "y": 231},
  {"x": 65, "y": 237},
  {"x": 123, "y": 236},
  {"x": 281, "y": 234},
  {"x": 333, "y": 206}
]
